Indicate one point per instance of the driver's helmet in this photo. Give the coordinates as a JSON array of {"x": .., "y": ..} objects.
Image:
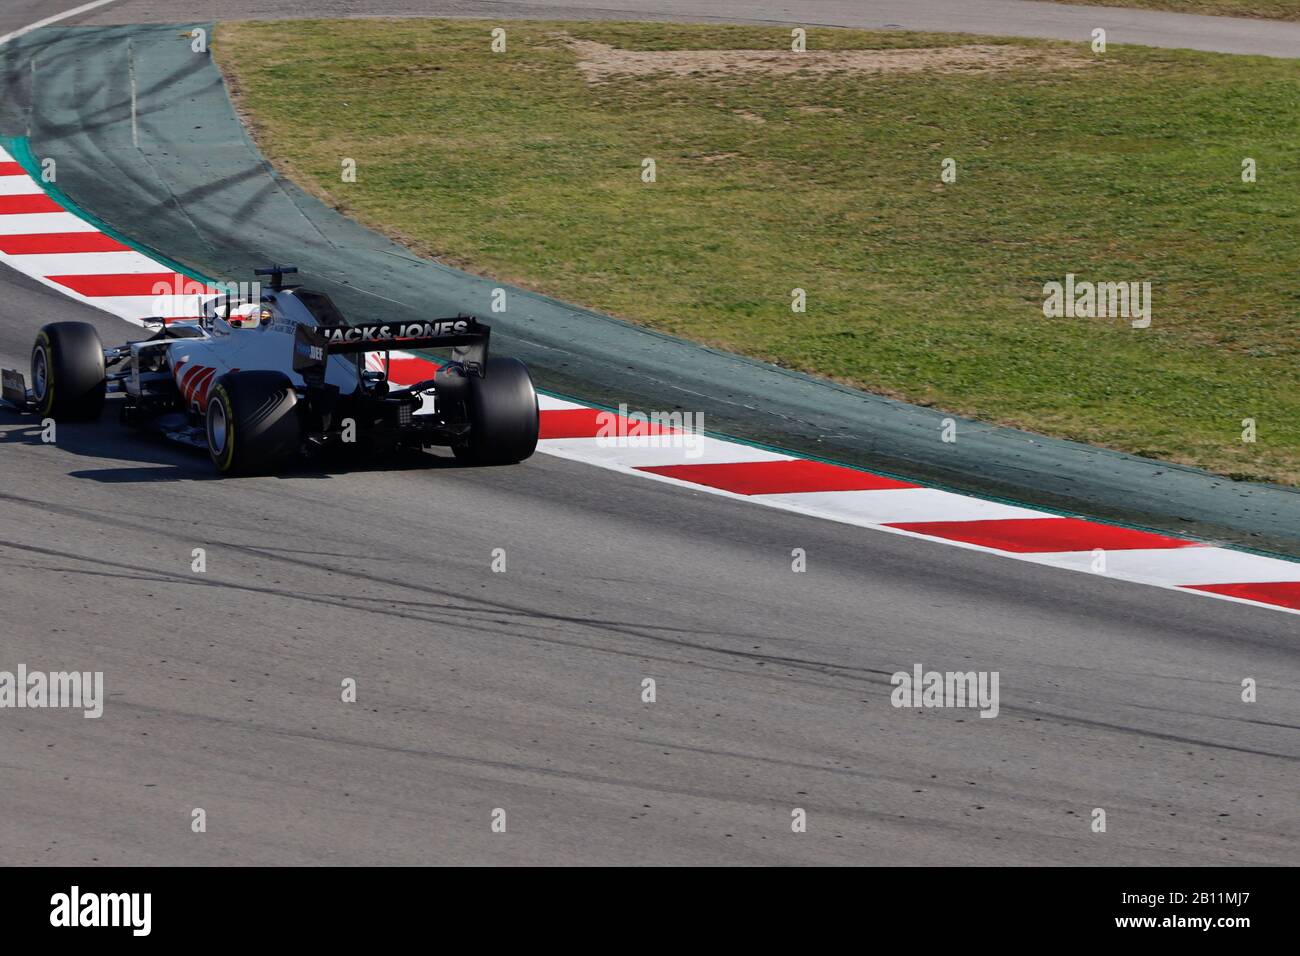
[{"x": 247, "y": 316}]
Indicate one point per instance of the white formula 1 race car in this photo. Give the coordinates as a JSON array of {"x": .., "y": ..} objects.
[{"x": 260, "y": 383}]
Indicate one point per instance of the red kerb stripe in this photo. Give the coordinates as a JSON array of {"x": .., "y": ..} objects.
[
  {"x": 589, "y": 422},
  {"x": 59, "y": 242},
  {"x": 778, "y": 477},
  {"x": 34, "y": 202},
  {"x": 408, "y": 371},
  {"x": 1038, "y": 535},
  {"x": 132, "y": 284},
  {"x": 1280, "y": 593}
]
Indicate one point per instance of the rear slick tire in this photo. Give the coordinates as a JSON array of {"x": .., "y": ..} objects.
[
  {"x": 503, "y": 416},
  {"x": 252, "y": 421}
]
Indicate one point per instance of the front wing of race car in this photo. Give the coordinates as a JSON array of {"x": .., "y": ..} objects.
[{"x": 14, "y": 391}]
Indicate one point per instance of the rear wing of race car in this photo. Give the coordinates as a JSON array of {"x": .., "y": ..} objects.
[{"x": 463, "y": 334}]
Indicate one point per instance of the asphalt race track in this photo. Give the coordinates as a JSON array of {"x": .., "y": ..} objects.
[
  {"x": 1005, "y": 17},
  {"x": 522, "y": 690}
]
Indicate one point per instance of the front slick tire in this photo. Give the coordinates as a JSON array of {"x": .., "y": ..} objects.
[
  {"x": 503, "y": 416},
  {"x": 252, "y": 423},
  {"x": 68, "y": 382}
]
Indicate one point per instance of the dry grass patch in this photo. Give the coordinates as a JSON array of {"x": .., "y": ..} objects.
[{"x": 600, "y": 62}]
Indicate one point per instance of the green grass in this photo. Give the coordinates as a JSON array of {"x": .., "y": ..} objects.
[
  {"x": 1124, "y": 168},
  {"x": 1259, "y": 9}
]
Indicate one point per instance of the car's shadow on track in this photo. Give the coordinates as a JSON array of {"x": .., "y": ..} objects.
[{"x": 157, "y": 459}]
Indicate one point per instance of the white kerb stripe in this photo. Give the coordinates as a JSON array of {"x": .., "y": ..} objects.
[
  {"x": 19, "y": 186},
  {"x": 894, "y": 505},
  {"x": 88, "y": 264},
  {"x": 611, "y": 454},
  {"x": 1178, "y": 566},
  {"x": 42, "y": 223}
]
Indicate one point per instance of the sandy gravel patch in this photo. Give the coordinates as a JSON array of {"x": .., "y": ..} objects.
[{"x": 599, "y": 62}]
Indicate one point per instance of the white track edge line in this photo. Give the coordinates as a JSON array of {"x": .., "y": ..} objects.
[{"x": 84, "y": 8}]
